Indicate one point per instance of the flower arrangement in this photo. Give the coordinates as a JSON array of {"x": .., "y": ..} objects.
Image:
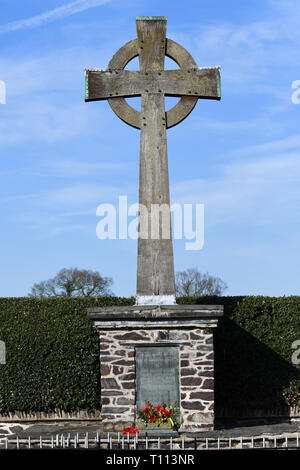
[
  {"x": 130, "y": 430},
  {"x": 160, "y": 414},
  {"x": 291, "y": 394}
]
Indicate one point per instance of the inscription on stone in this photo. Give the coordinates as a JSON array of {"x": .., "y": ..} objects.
[{"x": 157, "y": 375}]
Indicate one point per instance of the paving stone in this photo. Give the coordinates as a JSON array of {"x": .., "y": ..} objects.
[
  {"x": 245, "y": 428},
  {"x": 15, "y": 429}
]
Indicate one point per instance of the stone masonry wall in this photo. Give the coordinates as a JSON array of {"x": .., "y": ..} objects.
[{"x": 196, "y": 360}]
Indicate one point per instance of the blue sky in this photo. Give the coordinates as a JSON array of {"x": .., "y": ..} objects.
[{"x": 61, "y": 157}]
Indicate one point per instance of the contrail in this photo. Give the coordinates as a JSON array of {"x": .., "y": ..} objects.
[{"x": 57, "y": 13}]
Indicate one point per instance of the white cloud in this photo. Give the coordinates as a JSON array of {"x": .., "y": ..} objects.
[
  {"x": 250, "y": 54},
  {"x": 59, "y": 70},
  {"x": 263, "y": 190},
  {"x": 73, "y": 168},
  {"x": 45, "y": 97},
  {"x": 288, "y": 143},
  {"x": 70, "y": 229},
  {"x": 39, "y": 119},
  {"x": 262, "y": 125},
  {"x": 57, "y": 13},
  {"x": 81, "y": 194}
]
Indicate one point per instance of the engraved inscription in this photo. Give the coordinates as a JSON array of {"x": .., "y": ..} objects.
[{"x": 157, "y": 375}]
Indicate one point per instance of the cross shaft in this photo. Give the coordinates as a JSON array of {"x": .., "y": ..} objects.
[{"x": 155, "y": 270}]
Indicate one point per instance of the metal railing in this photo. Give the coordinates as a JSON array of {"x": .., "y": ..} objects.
[{"x": 145, "y": 442}]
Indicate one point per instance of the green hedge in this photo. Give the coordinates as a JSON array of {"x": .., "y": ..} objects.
[
  {"x": 53, "y": 351},
  {"x": 253, "y": 351}
]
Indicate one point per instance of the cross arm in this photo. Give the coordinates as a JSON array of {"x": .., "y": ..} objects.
[{"x": 198, "y": 82}]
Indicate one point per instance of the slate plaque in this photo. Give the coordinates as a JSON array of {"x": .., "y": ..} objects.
[{"x": 157, "y": 375}]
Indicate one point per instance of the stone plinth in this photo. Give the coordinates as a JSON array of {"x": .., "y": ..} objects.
[{"x": 188, "y": 327}]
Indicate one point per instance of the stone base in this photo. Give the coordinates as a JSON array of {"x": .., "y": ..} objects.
[
  {"x": 118, "y": 426},
  {"x": 155, "y": 300},
  {"x": 187, "y": 327}
]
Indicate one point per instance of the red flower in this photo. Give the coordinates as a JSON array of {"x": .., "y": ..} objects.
[
  {"x": 167, "y": 412},
  {"x": 145, "y": 410},
  {"x": 130, "y": 430},
  {"x": 159, "y": 408},
  {"x": 152, "y": 419}
]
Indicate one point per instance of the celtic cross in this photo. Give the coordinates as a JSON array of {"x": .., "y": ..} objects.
[{"x": 155, "y": 269}]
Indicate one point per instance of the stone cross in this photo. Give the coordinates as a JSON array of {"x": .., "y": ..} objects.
[{"x": 155, "y": 267}]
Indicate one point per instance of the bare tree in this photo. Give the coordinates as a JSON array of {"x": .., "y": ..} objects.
[
  {"x": 73, "y": 282},
  {"x": 192, "y": 283}
]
